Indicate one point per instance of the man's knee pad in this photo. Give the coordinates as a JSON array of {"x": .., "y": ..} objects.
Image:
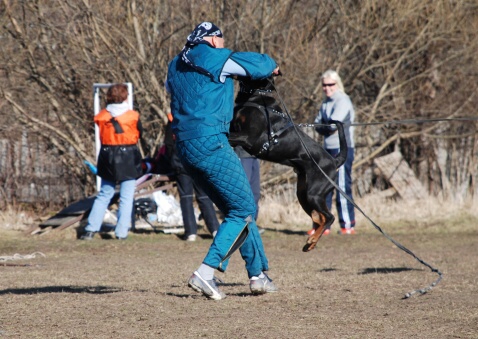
[{"x": 239, "y": 240}]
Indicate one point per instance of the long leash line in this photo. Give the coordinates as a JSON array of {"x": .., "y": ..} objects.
[
  {"x": 396, "y": 243},
  {"x": 405, "y": 121}
]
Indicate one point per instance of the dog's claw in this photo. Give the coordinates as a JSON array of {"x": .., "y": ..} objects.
[
  {"x": 308, "y": 247},
  {"x": 311, "y": 243}
]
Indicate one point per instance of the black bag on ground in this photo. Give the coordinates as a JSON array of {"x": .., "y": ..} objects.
[{"x": 144, "y": 206}]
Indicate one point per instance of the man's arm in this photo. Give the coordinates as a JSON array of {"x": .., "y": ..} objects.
[
  {"x": 256, "y": 65},
  {"x": 322, "y": 130},
  {"x": 231, "y": 68}
]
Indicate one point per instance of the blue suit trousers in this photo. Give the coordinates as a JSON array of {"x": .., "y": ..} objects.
[{"x": 213, "y": 164}]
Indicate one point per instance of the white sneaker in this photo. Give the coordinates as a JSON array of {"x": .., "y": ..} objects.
[
  {"x": 206, "y": 287},
  {"x": 262, "y": 285},
  {"x": 191, "y": 237}
]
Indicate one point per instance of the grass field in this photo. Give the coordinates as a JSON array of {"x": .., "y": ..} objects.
[{"x": 349, "y": 287}]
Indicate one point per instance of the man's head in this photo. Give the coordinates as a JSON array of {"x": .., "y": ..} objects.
[{"x": 207, "y": 31}]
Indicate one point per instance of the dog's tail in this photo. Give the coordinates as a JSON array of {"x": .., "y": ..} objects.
[{"x": 342, "y": 156}]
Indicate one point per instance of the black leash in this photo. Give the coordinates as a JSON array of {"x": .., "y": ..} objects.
[
  {"x": 405, "y": 121},
  {"x": 396, "y": 243}
]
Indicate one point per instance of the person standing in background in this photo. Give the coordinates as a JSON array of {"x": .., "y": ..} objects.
[
  {"x": 252, "y": 167},
  {"x": 187, "y": 188},
  {"x": 338, "y": 106},
  {"x": 119, "y": 161}
]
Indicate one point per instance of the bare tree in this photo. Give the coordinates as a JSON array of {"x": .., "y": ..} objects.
[{"x": 399, "y": 60}]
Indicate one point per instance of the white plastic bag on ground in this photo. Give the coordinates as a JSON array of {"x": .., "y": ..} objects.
[{"x": 169, "y": 210}]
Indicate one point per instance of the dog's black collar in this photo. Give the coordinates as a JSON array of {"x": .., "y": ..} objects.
[{"x": 255, "y": 91}]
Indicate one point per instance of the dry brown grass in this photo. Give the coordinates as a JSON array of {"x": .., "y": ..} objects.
[
  {"x": 16, "y": 220},
  {"x": 282, "y": 211},
  {"x": 349, "y": 287}
]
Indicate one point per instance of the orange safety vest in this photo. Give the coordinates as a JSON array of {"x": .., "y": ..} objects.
[{"x": 128, "y": 122}]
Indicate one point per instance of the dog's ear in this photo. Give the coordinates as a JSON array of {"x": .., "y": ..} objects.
[
  {"x": 248, "y": 85},
  {"x": 241, "y": 79},
  {"x": 269, "y": 85},
  {"x": 245, "y": 83}
]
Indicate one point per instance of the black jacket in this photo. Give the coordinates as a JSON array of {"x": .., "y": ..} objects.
[
  {"x": 119, "y": 163},
  {"x": 175, "y": 163}
]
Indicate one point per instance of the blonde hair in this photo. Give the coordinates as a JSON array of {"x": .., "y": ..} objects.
[{"x": 331, "y": 74}]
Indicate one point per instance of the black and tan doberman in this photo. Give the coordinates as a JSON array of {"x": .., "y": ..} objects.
[{"x": 262, "y": 128}]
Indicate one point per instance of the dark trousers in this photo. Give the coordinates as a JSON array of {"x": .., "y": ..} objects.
[
  {"x": 252, "y": 169},
  {"x": 345, "y": 209},
  {"x": 187, "y": 187}
]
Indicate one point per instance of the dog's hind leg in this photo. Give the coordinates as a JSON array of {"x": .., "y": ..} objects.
[
  {"x": 309, "y": 195},
  {"x": 321, "y": 221}
]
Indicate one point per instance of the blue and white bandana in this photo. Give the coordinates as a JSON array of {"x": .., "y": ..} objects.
[
  {"x": 202, "y": 30},
  {"x": 197, "y": 37}
]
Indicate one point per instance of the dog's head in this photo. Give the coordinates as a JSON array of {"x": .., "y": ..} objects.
[
  {"x": 249, "y": 127},
  {"x": 247, "y": 85}
]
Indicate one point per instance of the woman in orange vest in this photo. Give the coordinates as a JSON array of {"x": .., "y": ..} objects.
[{"x": 119, "y": 161}]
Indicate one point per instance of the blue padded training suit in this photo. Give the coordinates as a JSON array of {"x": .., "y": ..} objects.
[{"x": 202, "y": 108}]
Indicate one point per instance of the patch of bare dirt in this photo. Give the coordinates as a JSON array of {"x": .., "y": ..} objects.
[{"x": 350, "y": 287}]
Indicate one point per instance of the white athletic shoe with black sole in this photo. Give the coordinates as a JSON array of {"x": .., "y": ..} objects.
[{"x": 206, "y": 287}]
